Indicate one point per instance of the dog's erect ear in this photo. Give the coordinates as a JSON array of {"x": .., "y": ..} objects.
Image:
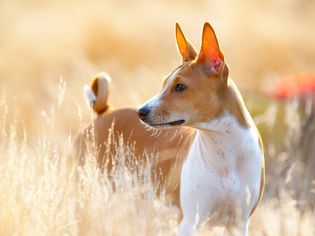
[
  {"x": 210, "y": 53},
  {"x": 184, "y": 47}
]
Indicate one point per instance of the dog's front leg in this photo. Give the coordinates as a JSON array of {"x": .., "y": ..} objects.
[{"x": 187, "y": 228}]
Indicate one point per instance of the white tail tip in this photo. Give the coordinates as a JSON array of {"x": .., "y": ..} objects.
[{"x": 89, "y": 95}]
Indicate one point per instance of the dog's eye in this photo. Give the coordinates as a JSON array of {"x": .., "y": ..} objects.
[{"x": 179, "y": 87}]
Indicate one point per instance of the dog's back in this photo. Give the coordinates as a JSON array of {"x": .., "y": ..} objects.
[{"x": 168, "y": 146}]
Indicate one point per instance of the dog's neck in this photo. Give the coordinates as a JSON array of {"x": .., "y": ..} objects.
[
  {"x": 223, "y": 129},
  {"x": 233, "y": 118},
  {"x": 220, "y": 142}
]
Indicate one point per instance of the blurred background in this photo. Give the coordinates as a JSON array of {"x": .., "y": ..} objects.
[
  {"x": 49, "y": 49},
  {"x": 43, "y": 40}
]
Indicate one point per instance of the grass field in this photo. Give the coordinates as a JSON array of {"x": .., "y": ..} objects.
[{"x": 49, "y": 49}]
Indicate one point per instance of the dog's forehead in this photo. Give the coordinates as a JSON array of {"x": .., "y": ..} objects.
[{"x": 175, "y": 73}]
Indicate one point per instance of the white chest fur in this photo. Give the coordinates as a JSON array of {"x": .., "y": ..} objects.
[{"x": 220, "y": 180}]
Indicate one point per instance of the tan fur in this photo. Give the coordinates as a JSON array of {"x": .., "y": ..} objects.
[
  {"x": 100, "y": 87},
  {"x": 224, "y": 97},
  {"x": 168, "y": 145},
  {"x": 208, "y": 94},
  {"x": 215, "y": 85},
  {"x": 184, "y": 47}
]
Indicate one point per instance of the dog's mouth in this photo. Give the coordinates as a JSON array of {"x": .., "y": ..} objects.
[{"x": 173, "y": 123}]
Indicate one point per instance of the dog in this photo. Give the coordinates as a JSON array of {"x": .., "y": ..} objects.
[
  {"x": 164, "y": 147},
  {"x": 222, "y": 178}
]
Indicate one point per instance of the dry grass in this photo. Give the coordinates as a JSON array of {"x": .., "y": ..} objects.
[
  {"x": 43, "y": 191},
  {"x": 49, "y": 49}
]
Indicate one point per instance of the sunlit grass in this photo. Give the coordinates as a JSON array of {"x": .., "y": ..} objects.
[
  {"x": 49, "y": 49},
  {"x": 44, "y": 191}
]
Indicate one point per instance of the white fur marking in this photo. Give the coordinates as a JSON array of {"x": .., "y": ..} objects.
[
  {"x": 221, "y": 176},
  {"x": 153, "y": 102},
  {"x": 89, "y": 95}
]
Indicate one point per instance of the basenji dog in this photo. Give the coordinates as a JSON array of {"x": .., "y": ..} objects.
[
  {"x": 164, "y": 147},
  {"x": 222, "y": 179}
]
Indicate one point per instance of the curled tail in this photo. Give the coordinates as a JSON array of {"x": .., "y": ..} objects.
[{"x": 96, "y": 95}]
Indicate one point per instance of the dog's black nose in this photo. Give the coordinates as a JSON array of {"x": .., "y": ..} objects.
[{"x": 143, "y": 112}]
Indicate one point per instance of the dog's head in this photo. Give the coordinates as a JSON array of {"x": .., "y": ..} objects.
[{"x": 194, "y": 92}]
